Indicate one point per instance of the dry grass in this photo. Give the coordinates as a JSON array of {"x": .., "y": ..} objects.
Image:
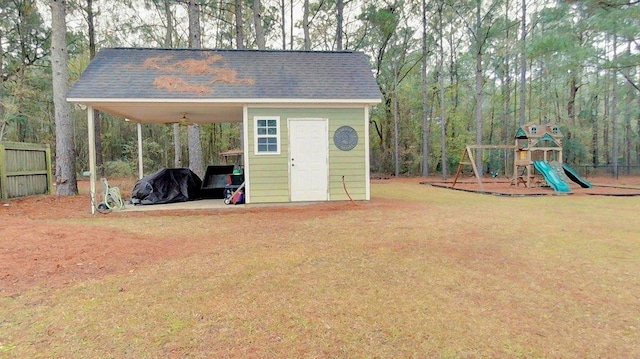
[{"x": 418, "y": 272}]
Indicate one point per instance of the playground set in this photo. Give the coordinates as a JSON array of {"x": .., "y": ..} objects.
[{"x": 537, "y": 160}]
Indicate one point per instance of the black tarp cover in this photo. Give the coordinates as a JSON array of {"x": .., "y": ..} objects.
[{"x": 168, "y": 185}]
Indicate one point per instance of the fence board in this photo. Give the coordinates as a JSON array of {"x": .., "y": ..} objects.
[{"x": 25, "y": 169}]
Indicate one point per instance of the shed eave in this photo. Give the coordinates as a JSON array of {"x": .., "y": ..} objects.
[
  {"x": 93, "y": 100},
  {"x": 192, "y": 111}
]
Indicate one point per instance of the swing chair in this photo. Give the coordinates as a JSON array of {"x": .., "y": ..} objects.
[{"x": 498, "y": 162}]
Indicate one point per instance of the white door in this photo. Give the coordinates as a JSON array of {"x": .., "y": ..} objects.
[{"x": 308, "y": 154}]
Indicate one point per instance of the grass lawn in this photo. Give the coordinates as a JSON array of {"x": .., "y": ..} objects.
[{"x": 419, "y": 272}]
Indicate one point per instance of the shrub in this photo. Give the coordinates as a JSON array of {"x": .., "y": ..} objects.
[{"x": 118, "y": 169}]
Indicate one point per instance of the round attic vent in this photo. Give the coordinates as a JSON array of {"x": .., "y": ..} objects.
[{"x": 345, "y": 138}]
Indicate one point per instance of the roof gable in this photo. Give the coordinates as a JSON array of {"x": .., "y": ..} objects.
[
  {"x": 547, "y": 141},
  {"x": 219, "y": 75},
  {"x": 532, "y": 130}
]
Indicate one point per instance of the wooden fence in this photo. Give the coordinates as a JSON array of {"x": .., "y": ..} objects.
[{"x": 25, "y": 170}]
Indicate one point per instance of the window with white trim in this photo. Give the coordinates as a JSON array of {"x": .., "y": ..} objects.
[{"x": 267, "y": 135}]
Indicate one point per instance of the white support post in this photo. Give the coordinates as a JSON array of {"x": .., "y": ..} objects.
[
  {"x": 140, "y": 168},
  {"x": 245, "y": 153},
  {"x": 91, "y": 128},
  {"x": 367, "y": 159}
]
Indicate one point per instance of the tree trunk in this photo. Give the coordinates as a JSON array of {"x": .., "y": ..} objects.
[
  {"x": 479, "y": 98},
  {"x": 638, "y": 134},
  {"x": 443, "y": 105},
  {"x": 523, "y": 64},
  {"x": 594, "y": 141},
  {"x": 168, "y": 43},
  {"x": 257, "y": 23},
  {"x": 605, "y": 128},
  {"x": 196, "y": 161},
  {"x": 239, "y": 25},
  {"x": 505, "y": 80},
  {"x": 571, "y": 104},
  {"x": 305, "y": 26},
  {"x": 65, "y": 173},
  {"x": 627, "y": 121},
  {"x": 614, "y": 110},
  {"x": 425, "y": 113},
  {"x": 595, "y": 134},
  {"x": 606, "y": 144},
  {"x": 284, "y": 25},
  {"x": 96, "y": 113},
  {"x": 339, "y": 19},
  {"x": 195, "y": 36},
  {"x": 177, "y": 146},
  {"x": 3, "y": 123},
  {"x": 239, "y": 46},
  {"x": 396, "y": 120},
  {"x": 168, "y": 35},
  {"x": 220, "y": 23}
]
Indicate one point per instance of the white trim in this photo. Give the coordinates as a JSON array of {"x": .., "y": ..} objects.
[
  {"x": 305, "y": 105},
  {"x": 289, "y": 156},
  {"x": 92, "y": 157},
  {"x": 277, "y": 136},
  {"x": 245, "y": 156},
  {"x": 226, "y": 101},
  {"x": 367, "y": 164}
]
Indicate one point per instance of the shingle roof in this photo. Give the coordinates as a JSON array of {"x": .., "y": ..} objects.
[{"x": 142, "y": 73}]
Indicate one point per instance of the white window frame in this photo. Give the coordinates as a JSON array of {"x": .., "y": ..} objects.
[{"x": 256, "y": 136}]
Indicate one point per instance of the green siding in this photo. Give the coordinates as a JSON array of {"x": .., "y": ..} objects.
[
  {"x": 269, "y": 174},
  {"x": 350, "y": 164}
]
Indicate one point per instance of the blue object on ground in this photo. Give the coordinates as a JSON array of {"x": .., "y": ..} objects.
[
  {"x": 551, "y": 176},
  {"x": 573, "y": 175}
]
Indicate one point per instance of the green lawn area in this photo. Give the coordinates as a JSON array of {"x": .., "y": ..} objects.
[{"x": 418, "y": 272}]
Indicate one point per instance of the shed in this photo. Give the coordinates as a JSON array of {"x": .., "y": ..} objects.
[{"x": 305, "y": 114}]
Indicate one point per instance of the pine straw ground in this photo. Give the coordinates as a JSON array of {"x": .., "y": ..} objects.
[{"x": 418, "y": 272}]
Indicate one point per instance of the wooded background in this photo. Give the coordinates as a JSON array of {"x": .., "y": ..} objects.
[{"x": 451, "y": 73}]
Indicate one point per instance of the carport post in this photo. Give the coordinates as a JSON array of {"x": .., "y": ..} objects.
[
  {"x": 91, "y": 127},
  {"x": 140, "y": 169}
]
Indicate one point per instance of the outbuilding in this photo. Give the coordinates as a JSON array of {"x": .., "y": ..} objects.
[{"x": 305, "y": 114}]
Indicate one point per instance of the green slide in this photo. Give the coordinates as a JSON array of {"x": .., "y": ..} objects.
[
  {"x": 551, "y": 176},
  {"x": 573, "y": 175}
]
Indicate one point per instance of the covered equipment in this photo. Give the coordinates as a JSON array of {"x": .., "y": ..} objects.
[{"x": 167, "y": 185}]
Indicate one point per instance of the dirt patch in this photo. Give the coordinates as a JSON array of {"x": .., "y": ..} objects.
[
  {"x": 601, "y": 186},
  {"x": 37, "y": 249}
]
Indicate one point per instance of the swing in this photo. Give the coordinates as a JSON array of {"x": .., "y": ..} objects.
[
  {"x": 468, "y": 159},
  {"x": 494, "y": 164}
]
